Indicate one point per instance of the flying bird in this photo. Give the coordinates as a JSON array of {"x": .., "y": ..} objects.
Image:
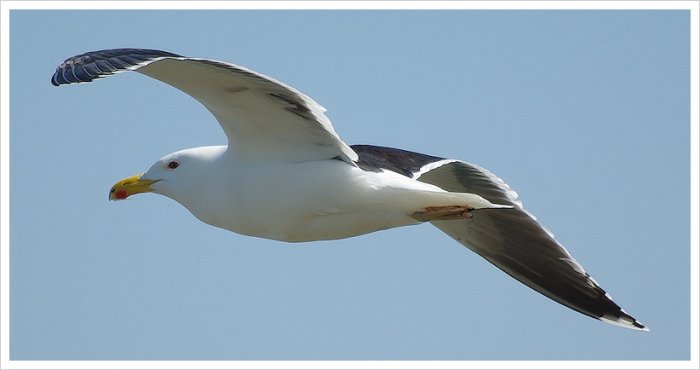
[{"x": 286, "y": 175}]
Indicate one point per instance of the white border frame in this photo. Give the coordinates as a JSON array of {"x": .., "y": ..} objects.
[{"x": 6, "y": 6}]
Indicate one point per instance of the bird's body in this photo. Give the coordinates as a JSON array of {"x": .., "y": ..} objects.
[
  {"x": 286, "y": 175},
  {"x": 299, "y": 201}
]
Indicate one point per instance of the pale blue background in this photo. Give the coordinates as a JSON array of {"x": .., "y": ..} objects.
[{"x": 584, "y": 113}]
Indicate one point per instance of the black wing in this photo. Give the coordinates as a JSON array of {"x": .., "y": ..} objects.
[{"x": 509, "y": 238}]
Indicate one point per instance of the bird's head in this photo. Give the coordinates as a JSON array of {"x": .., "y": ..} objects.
[{"x": 173, "y": 175}]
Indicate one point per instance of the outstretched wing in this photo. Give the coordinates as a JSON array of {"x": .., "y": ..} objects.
[
  {"x": 509, "y": 238},
  {"x": 263, "y": 119}
]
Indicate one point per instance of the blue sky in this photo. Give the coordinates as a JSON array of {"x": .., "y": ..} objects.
[{"x": 584, "y": 113}]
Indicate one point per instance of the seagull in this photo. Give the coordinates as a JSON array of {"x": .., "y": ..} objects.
[{"x": 286, "y": 175}]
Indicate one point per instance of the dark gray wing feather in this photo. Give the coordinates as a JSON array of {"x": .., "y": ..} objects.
[
  {"x": 97, "y": 64},
  {"x": 378, "y": 158},
  {"x": 516, "y": 243},
  {"x": 509, "y": 238}
]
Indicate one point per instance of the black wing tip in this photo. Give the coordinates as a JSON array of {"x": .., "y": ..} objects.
[
  {"x": 100, "y": 63},
  {"x": 624, "y": 320}
]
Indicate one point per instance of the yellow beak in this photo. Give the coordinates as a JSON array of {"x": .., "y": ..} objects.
[{"x": 130, "y": 186}]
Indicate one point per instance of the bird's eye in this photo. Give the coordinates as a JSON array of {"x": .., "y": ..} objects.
[{"x": 173, "y": 165}]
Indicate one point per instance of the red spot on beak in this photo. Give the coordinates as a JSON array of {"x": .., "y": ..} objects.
[{"x": 120, "y": 194}]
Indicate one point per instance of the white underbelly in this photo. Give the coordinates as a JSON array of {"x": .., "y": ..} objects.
[{"x": 317, "y": 201}]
